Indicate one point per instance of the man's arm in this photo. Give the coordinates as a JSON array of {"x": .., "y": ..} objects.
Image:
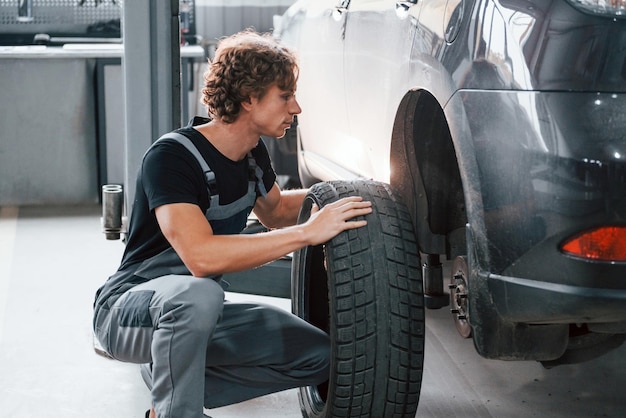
[
  {"x": 205, "y": 254},
  {"x": 279, "y": 208}
]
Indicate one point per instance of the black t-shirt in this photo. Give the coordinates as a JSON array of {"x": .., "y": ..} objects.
[{"x": 170, "y": 174}]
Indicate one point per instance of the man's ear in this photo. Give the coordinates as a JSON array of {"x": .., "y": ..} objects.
[{"x": 247, "y": 104}]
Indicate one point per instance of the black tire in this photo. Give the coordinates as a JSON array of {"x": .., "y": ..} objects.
[{"x": 364, "y": 288}]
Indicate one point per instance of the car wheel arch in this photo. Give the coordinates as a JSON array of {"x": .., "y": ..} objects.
[{"x": 425, "y": 172}]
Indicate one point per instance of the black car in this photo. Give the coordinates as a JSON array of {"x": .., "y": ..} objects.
[{"x": 489, "y": 133}]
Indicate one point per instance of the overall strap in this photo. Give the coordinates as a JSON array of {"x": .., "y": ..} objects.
[{"x": 256, "y": 175}]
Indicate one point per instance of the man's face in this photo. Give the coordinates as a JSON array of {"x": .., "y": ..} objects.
[{"x": 273, "y": 113}]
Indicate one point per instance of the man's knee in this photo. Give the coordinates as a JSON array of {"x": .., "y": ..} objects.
[
  {"x": 197, "y": 302},
  {"x": 204, "y": 293}
]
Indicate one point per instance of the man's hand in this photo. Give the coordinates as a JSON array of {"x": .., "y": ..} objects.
[{"x": 334, "y": 218}]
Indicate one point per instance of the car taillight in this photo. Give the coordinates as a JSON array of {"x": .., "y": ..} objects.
[
  {"x": 607, "y": 243},
  {"x": 611, "y": 8}
]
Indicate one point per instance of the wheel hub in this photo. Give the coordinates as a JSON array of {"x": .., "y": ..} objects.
[{"x": 459, "y": 294}]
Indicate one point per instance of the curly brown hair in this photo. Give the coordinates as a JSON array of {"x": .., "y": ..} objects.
[{"x": 246, "y": 65}]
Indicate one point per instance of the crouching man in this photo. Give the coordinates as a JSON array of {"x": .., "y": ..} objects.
[{"x": 164, "y": 308}]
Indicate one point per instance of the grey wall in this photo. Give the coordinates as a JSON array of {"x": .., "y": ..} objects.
[
  {"x": 50, "y": 156},
  {"x": 218, "y": 18},
  {"x": 48, "y": 134}
]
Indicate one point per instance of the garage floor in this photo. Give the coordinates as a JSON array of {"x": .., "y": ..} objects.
[{"x": 53, "y": 259}]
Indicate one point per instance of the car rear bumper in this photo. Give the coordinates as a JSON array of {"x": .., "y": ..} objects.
[{"x": 538, "y": 302}]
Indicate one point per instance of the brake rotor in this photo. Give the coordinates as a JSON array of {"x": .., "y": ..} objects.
[{"x": 459, "y": 296}]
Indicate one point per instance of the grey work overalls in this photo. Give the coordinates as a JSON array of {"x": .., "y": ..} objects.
[{"x": 197, "y": 349}]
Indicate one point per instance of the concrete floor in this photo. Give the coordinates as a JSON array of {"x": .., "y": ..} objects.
[{"x": 53, "y": 259}]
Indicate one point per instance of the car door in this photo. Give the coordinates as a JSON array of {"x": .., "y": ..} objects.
[
  {"x": 378, "y": 41},
  {"x": 321, "y": 89}
]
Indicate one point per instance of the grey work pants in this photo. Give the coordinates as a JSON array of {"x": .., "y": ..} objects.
[{"x": 199, "y": 347}]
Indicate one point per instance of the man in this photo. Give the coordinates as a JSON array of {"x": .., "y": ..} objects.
[{"x": 164, "y": 307}]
